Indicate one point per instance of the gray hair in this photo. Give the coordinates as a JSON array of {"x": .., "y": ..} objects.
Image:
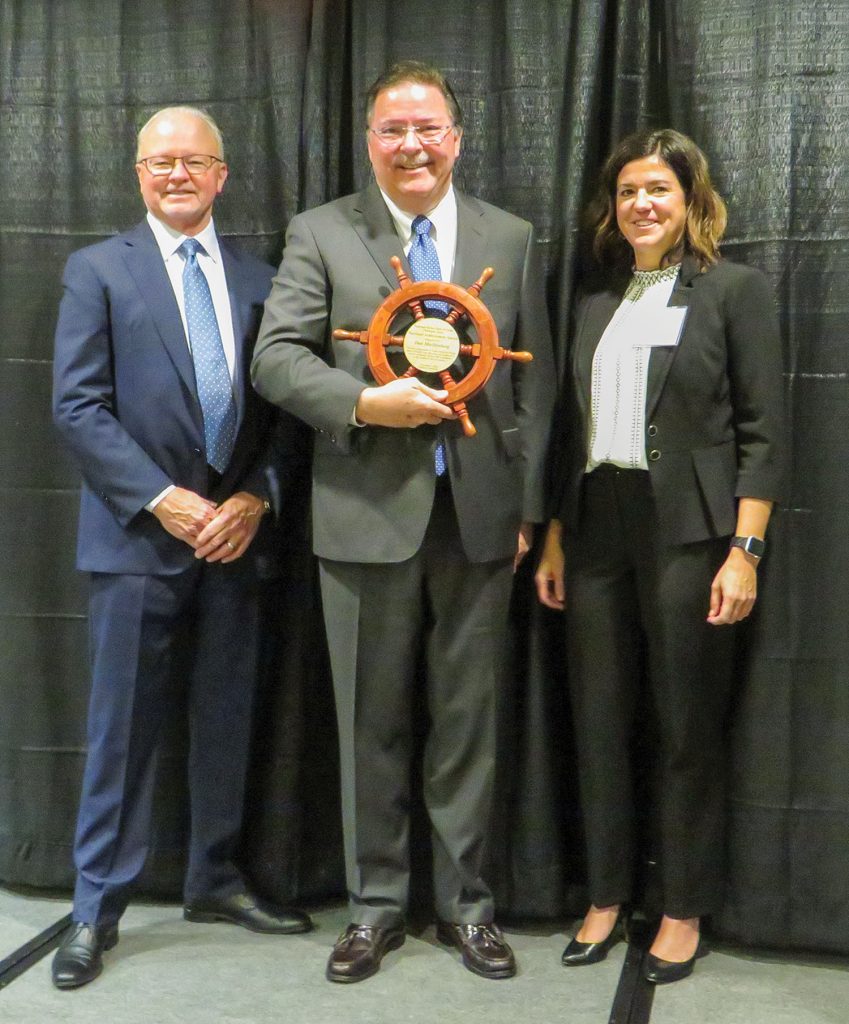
[{"x": 186, "y": 112}]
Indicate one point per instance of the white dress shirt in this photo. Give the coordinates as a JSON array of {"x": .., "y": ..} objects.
[
  {"x": 620, "y": 369},
  {"x": 443, "y": 218},
  {"x": 209, "y": 261},
  {"x": 443, "y": 231},
  {"x": 212, "y": 266}
]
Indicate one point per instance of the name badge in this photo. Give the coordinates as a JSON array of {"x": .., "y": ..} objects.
[{"x": 665, "y": 328}]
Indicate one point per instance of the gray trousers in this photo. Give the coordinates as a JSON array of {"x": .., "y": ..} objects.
[{"x": 380, "y": 618}]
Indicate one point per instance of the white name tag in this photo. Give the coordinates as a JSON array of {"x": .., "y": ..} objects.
[{"x": 664, "y": 327}]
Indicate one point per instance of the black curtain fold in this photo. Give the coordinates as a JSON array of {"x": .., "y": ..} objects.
[{"x": 546, "y": 88}]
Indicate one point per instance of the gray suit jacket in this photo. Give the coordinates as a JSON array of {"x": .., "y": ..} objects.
[{"x": 373, "y": 487}]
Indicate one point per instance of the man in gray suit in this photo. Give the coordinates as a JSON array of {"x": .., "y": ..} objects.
[{"x": 417, "y": 527}]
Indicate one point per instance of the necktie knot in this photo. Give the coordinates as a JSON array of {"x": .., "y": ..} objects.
[
  {"x": 191, "y": 247},
  {"x": 421, "y": 225}
]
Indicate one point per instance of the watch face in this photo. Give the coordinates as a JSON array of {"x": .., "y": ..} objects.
[{"x": 753, "y": 545}]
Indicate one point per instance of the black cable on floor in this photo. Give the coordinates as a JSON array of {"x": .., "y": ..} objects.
[
  {"x": 31, "y": 952},
  {"x": 634, "y": 995}
]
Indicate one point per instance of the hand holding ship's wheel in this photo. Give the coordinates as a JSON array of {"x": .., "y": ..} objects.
[{"x": 431, "y": 343}]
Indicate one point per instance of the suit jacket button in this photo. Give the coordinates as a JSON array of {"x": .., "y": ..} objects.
[
  {"x": 652, "y": 430},
  {"x": 654, "y": 455}
]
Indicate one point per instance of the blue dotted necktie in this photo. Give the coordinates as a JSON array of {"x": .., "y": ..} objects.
[
  {"x": 424, "y": 265},
  {"x": 215, "y": 389}
]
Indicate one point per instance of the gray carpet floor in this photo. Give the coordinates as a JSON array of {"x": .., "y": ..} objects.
[{"x": 165, "y": 970}]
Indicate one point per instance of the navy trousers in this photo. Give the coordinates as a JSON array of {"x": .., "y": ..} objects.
[{"x": 135, "y": 623}]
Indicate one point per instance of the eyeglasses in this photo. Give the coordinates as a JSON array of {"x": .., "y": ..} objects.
[
  {"x": 427, "y": 134},
  {"x": 197, "y": 163}
]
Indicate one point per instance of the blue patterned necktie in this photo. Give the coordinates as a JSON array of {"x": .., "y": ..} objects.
[
  {"x": 424, "y": 265},
  {"x": 215, "y": 389}
]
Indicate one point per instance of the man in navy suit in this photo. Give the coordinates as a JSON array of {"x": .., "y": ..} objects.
[{"x": 151, "y": 394}]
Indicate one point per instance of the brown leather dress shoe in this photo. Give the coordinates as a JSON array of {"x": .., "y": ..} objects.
[
  {"x": 79, "y": 957},
  {"x": 247, "y": 910},
  {"x": 485, "y": 951},
  {"x": 359, "y": 950}
]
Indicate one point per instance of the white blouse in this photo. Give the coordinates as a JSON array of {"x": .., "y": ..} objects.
[{"x": 620, "y": 369}]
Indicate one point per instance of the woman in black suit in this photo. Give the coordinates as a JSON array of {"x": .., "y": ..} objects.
[{"x": 672, "y": 461}]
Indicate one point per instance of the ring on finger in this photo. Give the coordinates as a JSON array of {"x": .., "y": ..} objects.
[{"x": 230, "y": 545}]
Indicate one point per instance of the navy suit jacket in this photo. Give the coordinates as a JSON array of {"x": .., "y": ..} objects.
[{"x": 125, "y": 398}]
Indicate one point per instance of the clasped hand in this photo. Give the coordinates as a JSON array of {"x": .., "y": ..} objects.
[{"x": 218, "y": 533}]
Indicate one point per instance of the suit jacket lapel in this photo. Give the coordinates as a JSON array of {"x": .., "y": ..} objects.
[
  {"x": 240, "y": 311},
  {"x": 147, "y": 269},
  {"x": 662, "y": 357},
  {"x": 471, "y": 255},
  {"x": 373, "y": 223},
  {"x": 376, "y": 229}
]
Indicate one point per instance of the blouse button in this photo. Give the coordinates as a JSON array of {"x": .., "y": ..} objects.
[{"x": 654, "y": 455}]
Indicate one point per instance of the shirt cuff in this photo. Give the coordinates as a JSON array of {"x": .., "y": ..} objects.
[{"x": 151, "y": 505}]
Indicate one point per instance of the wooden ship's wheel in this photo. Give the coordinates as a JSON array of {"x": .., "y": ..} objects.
[{"x": 431, "y": 343}]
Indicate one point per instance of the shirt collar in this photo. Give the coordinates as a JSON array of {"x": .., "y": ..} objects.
[
  {"x": 169, "y": 240},
  {"x": 441, "y": 216}
]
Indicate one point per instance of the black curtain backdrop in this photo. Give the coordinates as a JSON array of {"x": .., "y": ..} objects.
[{"x": 546, "y": 86}]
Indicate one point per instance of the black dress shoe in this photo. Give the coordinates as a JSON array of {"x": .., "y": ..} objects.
[
  {"x": 359, "y": 950},
  {"x": 247, "y": 910},
  {"x": 578, "y": 954},
  {"x": 79, "y": 958},
  {"x": 485, "y": 951},
  {"x": 662, "y": 972}
]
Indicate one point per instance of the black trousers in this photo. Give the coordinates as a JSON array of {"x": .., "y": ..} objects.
[
  {"x": 635, "y": 607},
  {"x": 380, "y": 618}
]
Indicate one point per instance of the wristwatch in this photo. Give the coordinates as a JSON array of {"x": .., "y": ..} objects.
[
  {"x": 266, "y": 508},
  {"x": 753, "y": 546}
]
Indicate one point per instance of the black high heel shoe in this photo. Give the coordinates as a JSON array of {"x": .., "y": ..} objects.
[
  {"x": 662, "y": 972},
  {"x": 578, "y": 954}
]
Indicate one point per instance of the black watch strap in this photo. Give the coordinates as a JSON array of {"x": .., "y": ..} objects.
[{"x": 751, "y": 545}]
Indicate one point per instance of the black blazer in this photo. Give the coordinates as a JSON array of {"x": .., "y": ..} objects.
[{"x": 714, "y": 404}]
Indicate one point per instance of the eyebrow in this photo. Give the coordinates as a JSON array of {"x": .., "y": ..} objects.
[{"x": 651, "y": 181}]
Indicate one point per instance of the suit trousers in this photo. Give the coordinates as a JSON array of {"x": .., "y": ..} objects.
[
  {"x": 636, "y": 614},
  {"x": 380, "y": 619},
  {"x": 160, "y": 643}
]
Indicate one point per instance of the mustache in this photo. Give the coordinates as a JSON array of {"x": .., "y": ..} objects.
[{"x": 411, "y": 163}]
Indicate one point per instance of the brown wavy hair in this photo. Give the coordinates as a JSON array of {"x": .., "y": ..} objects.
[
  {"x": 706, "y": 213},
  {"x": 414, "y": 71}
]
